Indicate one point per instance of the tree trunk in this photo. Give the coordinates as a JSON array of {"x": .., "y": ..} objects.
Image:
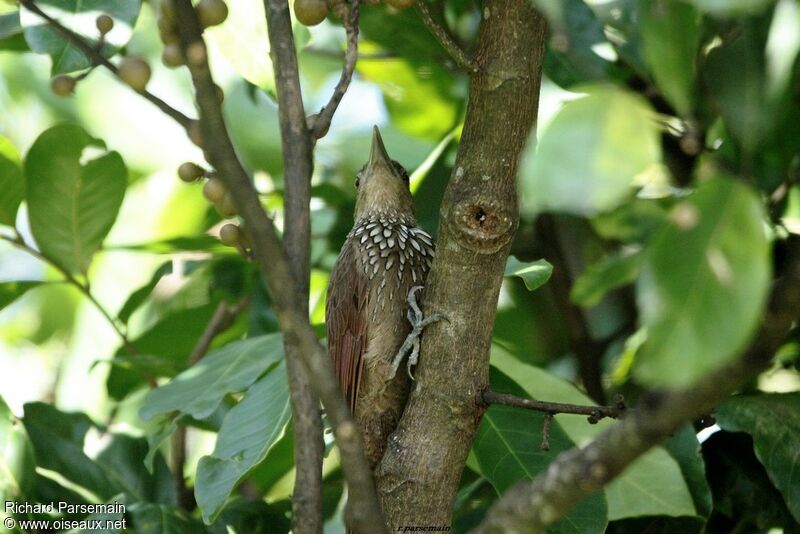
[{"x": 419, "y": 475}]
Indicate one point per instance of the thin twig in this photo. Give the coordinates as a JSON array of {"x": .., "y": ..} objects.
[
  {"x": 94, "y": 55},
  {"x": 548, "y": 419},
  {"x": 322, "y": 120},
  {"x": 445, "y": 39},
  {"x": 595, "y": 413}
]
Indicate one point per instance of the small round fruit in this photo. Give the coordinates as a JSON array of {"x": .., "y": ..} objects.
[
  {"x": 196, "y": 54},
  {"x": 63, "y": 85},
  {"x": 211, "y": 12},
  {"x": 172, "y": 56},
  {"x": 214, "y": 190},
  {"x": 104, "y": 24},
  {"x": 230, "y": 235},
  {"x": 195, "y": 133},
  {"x": 310, "y": 12},
  {"x": 401, "y": 4},
  {"x": 189, "y": 172},
  {"x": 225, "y": 206},
  {"x": 135, "y": 72}
]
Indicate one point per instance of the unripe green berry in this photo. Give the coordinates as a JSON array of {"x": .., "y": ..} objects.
[
  {"x": 230, "y": 235},
  {"x": 189, "y": 172},
  {"x": 63, "y": 85},
  {"x": 214, "y": 190},
  {"x": 211, "y": 12},
  {"x": 135, "y": 72},
  {"x": 104, "y": 24}
]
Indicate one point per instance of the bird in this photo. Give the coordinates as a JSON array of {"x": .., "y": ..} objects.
[{"x": 383, "y": 263}]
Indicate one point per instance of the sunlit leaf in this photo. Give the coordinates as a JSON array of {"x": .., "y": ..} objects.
[
  {"x": 670, "y": 38},
  {"x": 140, "y": 295},
  {"x": 534, "y": 273},
  {"x": 248, "y": 432},
  {"x": 507, "y": 448},
  {"x": 12, "y": 182},
  {"x": 199, "y": 390},
  {"x": 78, "y": 16},
  {"x": 73, "y": 194},
  {"x": 703, "y": 283},
  {"x": 16, "y": 459},
  {"x": 11, "y": 291},
  {"x": 774, "y": 422},
  {"x": 588, "y": 156}
]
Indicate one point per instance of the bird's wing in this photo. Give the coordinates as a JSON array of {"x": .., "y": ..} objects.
[{"x": 346, "y": 321}]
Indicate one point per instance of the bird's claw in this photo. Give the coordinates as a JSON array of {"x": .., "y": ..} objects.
[{"x": 418, "y": 324}]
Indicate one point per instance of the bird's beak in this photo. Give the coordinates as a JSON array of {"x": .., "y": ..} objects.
[{"x": 378, "y": 155}]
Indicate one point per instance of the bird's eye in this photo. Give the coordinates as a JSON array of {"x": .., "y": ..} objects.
[{"x": 358, "y": 180}]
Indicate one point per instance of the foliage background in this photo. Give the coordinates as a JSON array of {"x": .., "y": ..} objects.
[{"x": 663, "y": 186}]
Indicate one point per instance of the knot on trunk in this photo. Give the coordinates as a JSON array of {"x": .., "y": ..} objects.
[{"x": 484, "y": 227}]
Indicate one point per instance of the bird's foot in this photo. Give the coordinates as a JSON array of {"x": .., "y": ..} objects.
[{"x": 418, "y": 324}]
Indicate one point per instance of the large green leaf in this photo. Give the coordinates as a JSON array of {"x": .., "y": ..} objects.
[
  {"x": 12, "y": 182},
  {"x": 17, "y": 465},
  {"x": 534, "y": 273},
  {"x": 704, "y": 281},
  {"x": 243, "y": 41},
  {"x": 774, "y": 422},
  {"x": 588, "y": 156},
  {"x": 644, "y": 478},
  {"x": 200, "y": 389},
  {"x": 684, "y": 447},
  {"x": 148, "y": 518},
  {"x": 11, "y": 291},
  {"x": 79, "y": 16},
  {"x": 248, "y": 432},
  {"x": 670, "y": 38},
  {"x": 73, "y": 195},
  {"x": 609, "y": 273},
  {"x": 507, "y": 448},
  {"x": 138, "y": 297}
]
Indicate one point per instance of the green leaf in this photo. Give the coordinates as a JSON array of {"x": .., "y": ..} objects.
[
  {"x": 732, "y": 8},
  {"x": 148, "y": 518},
  {"x": 734, "y": 73},
  {"x": 12, "y": 182},
  {"x": 200, "y": 389},
  {"x": 57, "y": 439},
  {"x": 656, "y": 472},
  {"x": 201, "y": 243},
  {"x": 703, "y": 284},
  {"x": 635, "y": 494},
  {"x": 248, "y": 432},
  {"x": 73, "y": 197},
  {"x": 243, "y": 41},
  {"x": 774, "y": 422},
  {"x": 10, "y": 25},
  {"x": 534, "y": 273},
  {"x": 507, "y": 448},
  {"x": 609, "y": 273},
  {"x": 618, "y": 139},
  {"x": 11, "y": 291},
  {"x": 78, "y": 16},
  {"x": 684, "y": 447},
  {"x": 17, "y": 464},
  {"x": 670, "y": 37}
]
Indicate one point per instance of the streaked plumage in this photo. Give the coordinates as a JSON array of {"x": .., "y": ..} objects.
[{"x": 384, "y": 255}]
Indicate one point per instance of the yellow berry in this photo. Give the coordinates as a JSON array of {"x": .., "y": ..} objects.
[
  {"x": 214, "y": 190},
  {"x": 62, "y": 85},
  {"x": 225, "y": 206},
  {"x": 135, "y": 72},
  {"x": 189, "y": 172},
  {"x": 230, "y": 235},
  {"x": 211, "y": 12},
  {"x": 310, "y": 12},
  {"x": 172, "y": 56},
  {"x": 104, "y": 24}
]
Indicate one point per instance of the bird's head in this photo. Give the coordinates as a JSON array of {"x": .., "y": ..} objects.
[{"x": 382, "y": 185}]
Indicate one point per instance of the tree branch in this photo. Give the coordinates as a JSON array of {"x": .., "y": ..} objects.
[
  {"x": 595, "y": 413},
  {"x": 445, "y": 39},
  {"x": 322, "y": 120},
  {"x": 297, "y": 154},
  {"x": 96, "y": 58},
  {"x": 363, "y": 509},
  {"x": 575, "y": 474}
]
